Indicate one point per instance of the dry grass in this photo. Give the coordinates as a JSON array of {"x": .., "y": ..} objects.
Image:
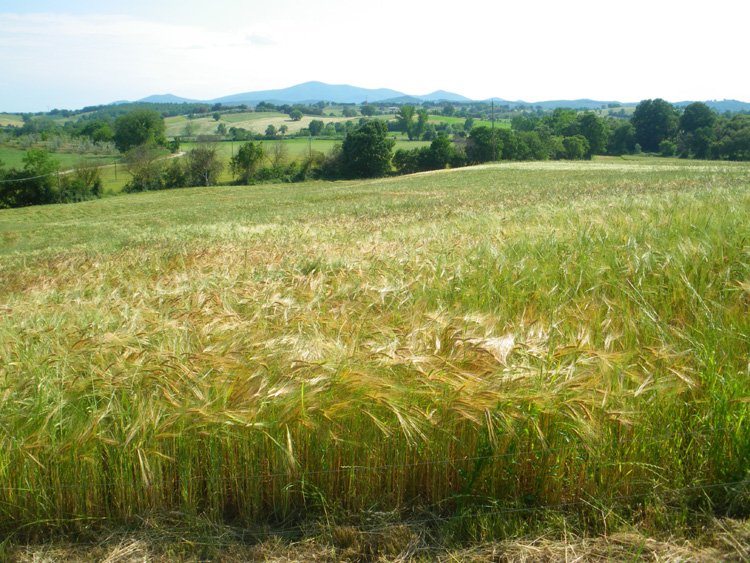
[{"x": 720, "y": 540}]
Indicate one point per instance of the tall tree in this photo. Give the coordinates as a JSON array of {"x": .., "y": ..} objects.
[
  {"x": 697, "y": 130},
  {"x": 654, "y": 121},
  {"x": 139, "y": 127},
  {"x": 246, "y": 162},
  {"x": 367, "y": 151},
  {"x": 315, "y": 127},
  {"x": 695, "y": 116},
  {"x": 596, "y": 132},
  {"x": 421, "y": 124},
  {"x": 405, "y": 119},
  {"x": 483, "y": 145},
  {"x": 203, "y": 165}
]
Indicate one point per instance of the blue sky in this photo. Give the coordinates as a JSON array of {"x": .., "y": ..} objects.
[{"x": 69, "y": 54}]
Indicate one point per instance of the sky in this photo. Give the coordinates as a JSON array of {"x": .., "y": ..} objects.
[{"x": 74, "y": 53}]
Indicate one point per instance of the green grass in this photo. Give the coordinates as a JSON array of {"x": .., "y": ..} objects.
[
  {"x": 13, "y": 158},
  {"x": 459, "y": 121},
  {"x": 515, "y": 343},
  {"x": 296, "y": 148}
]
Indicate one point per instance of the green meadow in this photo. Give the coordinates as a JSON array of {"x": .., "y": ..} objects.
[
  {"x": 465, "y": 355},
  {"x": 459, "y": 121},
  {"x": 12, "y": 157}
]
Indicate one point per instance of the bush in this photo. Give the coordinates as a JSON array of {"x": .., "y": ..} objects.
[
  {"x": 667, "y": 148},
  {"x": 576, "y": 147}
]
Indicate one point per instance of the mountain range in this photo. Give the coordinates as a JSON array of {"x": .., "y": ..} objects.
[{"x": 311, "y": 92}]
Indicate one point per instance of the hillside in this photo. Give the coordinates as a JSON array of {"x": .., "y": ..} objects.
[
  {"x": 391, "y": 368},
  {"x": 312, "y": 92}
]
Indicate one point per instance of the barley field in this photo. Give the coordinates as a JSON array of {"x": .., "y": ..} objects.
[{"x": 485, "y": 349}]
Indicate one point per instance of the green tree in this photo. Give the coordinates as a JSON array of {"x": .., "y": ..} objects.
[
  {"x": 175, "y": 174},
  {"x": 531, "y": 146},
  {"x": 734, "y": 138},
  {"x": 441, "y": 153},
  {"x": 367, "y": 151},
  {"x": 525, "y": 122},
  {"x": 483, "y": 145},
  {"x": 407, "y": 161},
  {"x": 246, "y": 162},
  {"x": 695, "y": 116},
  {"x": 595, "y": 130},
  {"x": 145, "y": 165},
  {"x": 83, "y": 184},
  {"x": 283, "y": 129},
  {"x": 139, "y": 127},
  {"x": 667, "y": 148},
  {"x": 189, "y": 129},
  {"x": 576, "y": 147},
  {"x": 295, "y": 115},
  {"x": 349, "y": 111},
  {"x": 98, "y": 130},
  {"x": 405, "y": 120},
  {"x": 622, "y": 139},
  {"x": 421, "y": 125},
  {"x": 468, "y": 124},
  {"x": 203, "y": 165},
  {"x": 271, "y": 131},
  {"x": 654, "y": 121},
  {"x": 563, "y": 121},
  {"x": 315, "y": 127},
  {"x": 697, "y": 133},
  {"x": 368, "y": 110},
  {"x": 36, "y": 184}
]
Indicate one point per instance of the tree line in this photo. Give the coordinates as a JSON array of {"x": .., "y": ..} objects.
[{"x": 656, "y": 127}]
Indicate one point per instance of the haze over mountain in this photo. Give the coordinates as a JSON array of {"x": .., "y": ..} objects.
[{"x": 311, "y": 92}]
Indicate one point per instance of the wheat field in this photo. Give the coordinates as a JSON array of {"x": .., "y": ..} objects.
[{"x": 483, "y": 347}]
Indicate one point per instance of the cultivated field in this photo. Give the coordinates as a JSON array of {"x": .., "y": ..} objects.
[
  {"x": 252, "y": 121},
  {"x": 465, "y": 355},
  {"x": 459, "y": 121},
  {"x": 10, "y": 119}
]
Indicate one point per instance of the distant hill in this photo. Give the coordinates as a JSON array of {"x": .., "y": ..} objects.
[
  {"x": 443, "y": 96},
  {"x": 552, "y": 104},
  {"x": 311, "y": 92},
  {"x": 414, "y": 100},
  {"x": 721, "y": 105},
  {"x": 167, "y": 99}
]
